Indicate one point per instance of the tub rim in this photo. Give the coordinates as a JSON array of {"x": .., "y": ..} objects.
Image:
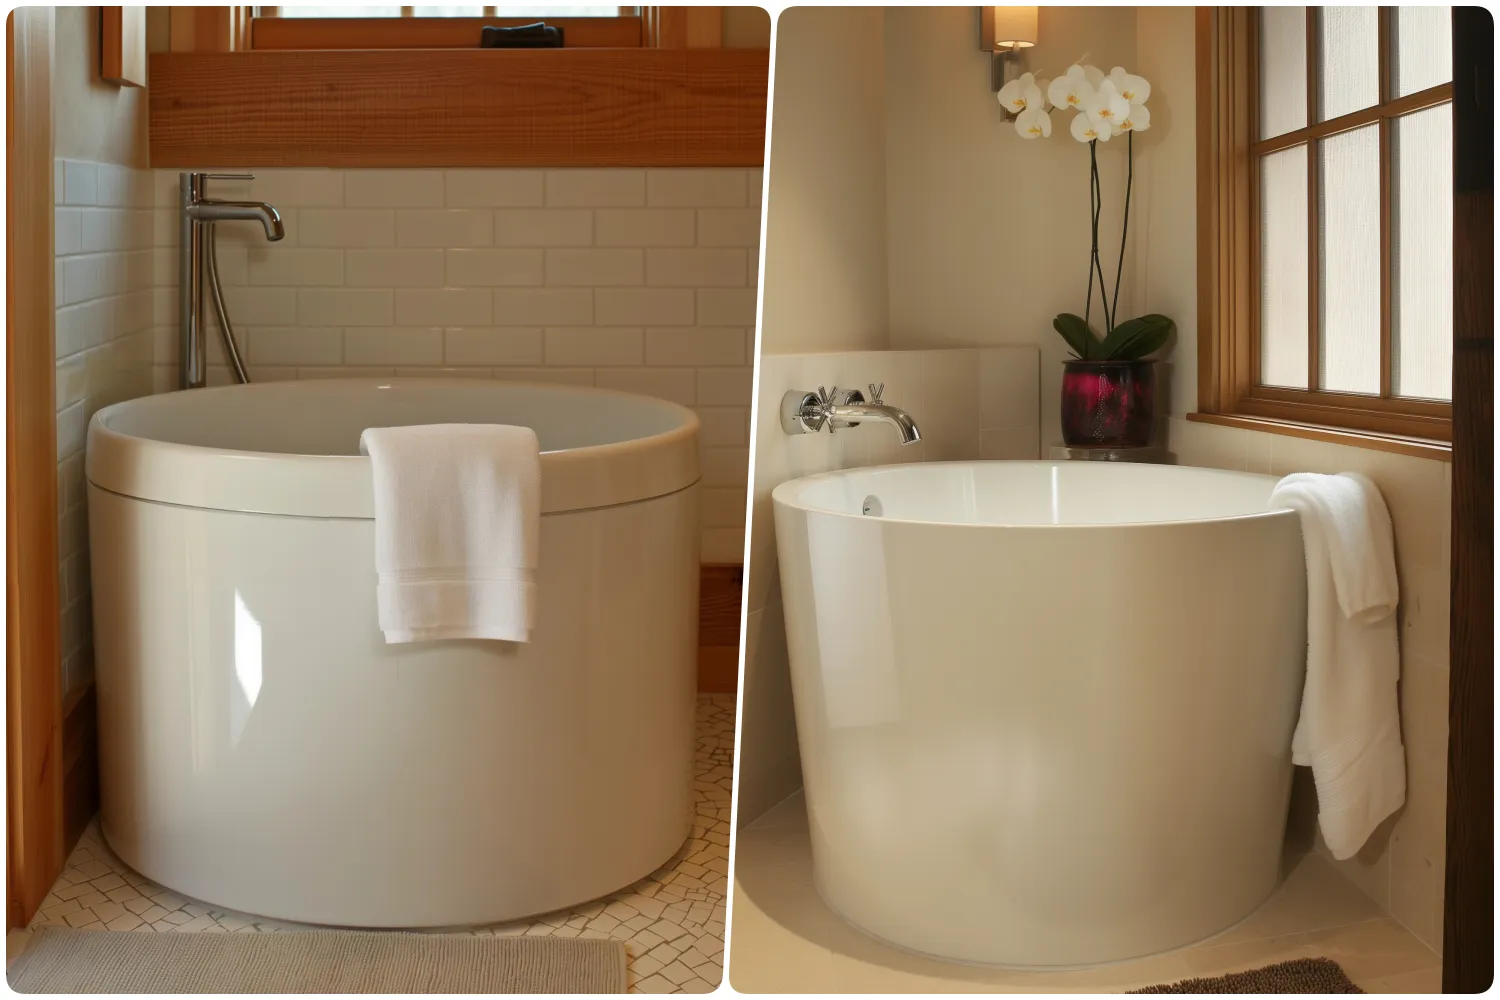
[
  {"x": 781, "y": 494},
  {"x": 339, "y": 486}
]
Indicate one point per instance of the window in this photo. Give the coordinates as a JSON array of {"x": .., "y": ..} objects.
[
  {"x": 1327, "y": 213},
  {"x": 524, "y": 12},
  {"x": 436, "y": 27}
]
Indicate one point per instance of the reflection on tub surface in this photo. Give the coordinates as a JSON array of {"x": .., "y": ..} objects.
[{"x": 1044, "y": 709}]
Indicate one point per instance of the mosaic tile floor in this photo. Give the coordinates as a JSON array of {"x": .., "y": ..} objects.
[{"x": 672, "y": 921}]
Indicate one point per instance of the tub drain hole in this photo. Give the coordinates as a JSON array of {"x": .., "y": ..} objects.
[{"x": 872, "y": 506}]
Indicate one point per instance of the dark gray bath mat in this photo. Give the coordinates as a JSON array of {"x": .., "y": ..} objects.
[
  {"x": 58, "y": 960},
  {"x": 1302, "y": 975}
]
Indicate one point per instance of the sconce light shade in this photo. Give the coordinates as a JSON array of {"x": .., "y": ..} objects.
[{"x": 1005, "y": 29}]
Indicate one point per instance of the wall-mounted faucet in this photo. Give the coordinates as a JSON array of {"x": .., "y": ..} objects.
[
  {"x": 809, "y": 412},
  {"x": 196, "y": 252}
]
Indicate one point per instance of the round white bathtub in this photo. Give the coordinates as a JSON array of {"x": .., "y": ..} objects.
[
  {"x": 263, "y": 749},
  {"x": 1045, "y": 709}
]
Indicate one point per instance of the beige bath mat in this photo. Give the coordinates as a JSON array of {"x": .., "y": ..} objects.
[
  {"x": 58, "y": 960},
  {"x": 1302, "y": 975}
]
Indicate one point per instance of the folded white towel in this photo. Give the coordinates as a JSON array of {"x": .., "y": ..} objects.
[
  {"x": 1349, "y": 730},
  {"x": 457, "y": 528}
]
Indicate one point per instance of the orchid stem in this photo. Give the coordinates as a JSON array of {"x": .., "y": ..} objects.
[
  {"x": 1099, "y": 208},
  {"x": 1088, "y": 300},
  {"x": 1125, "y": 228}
]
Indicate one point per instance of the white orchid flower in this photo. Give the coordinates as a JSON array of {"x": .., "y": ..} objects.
[
  {"x": 1086, "y": 129},
  {"x": 1107, "y": 109},
  {"x": 1034, "y": 123},
  {"x": 1020, "y": 94},
  {"x": 1135, "y": 89},
  {"x": 1071, "y": 90},
  {"x": 1138, "y": 120},
  {"x": 1094, "y": 75}
]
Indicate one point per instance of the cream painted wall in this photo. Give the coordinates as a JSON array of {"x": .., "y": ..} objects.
[
  {"x": 988, "y": 232},
  {"x": 91, "y": 119},
  {"x": 1164, "y": 205},
  {"x": 825, "y": 287}
]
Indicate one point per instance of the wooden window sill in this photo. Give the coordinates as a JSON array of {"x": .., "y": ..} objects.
[
  {"x": 1440, "y": 451},
  {"x": 603, "y": 107}
]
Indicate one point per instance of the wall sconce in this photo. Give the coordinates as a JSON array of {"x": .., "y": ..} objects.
[{"x": 1006, "y": 32}]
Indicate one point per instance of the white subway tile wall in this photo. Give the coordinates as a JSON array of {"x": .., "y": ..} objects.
[
  {"x": 638, "y": 280},
  {"x": 105, "y": 320}
]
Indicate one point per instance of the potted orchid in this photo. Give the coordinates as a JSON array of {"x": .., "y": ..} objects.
[{"x": 1109, "y": 384}]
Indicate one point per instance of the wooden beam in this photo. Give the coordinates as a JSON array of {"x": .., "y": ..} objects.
[
  {"x": 1469, "y": 879},
  {"x": 35, "y": 848},
  {"x": 719, "y": 598},
  {"x": 80, "y": 742},
  {"x": 460, "y": 107},
  {"x": 122, "y": 45}
]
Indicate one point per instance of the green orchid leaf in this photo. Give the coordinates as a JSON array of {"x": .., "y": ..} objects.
[
  {"x": 1078, "y": 336},
  {"x": 1136, "y": 338}
]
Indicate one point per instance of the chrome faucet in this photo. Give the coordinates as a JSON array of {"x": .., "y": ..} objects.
[
  {"x": 196, "y": 252},
  {"x": 809, "y": 412}
]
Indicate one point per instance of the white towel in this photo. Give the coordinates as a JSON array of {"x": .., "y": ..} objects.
[
  {"x": 457, "y": 527},
  {"x": 1349, "y": 729}
]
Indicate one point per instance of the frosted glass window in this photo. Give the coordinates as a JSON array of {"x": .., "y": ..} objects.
[
  {"x": 556, "y": 11},
  {"x": 339, "y": 11},
  {"x": 1422, "y": 45},
  {"x": 1348, "y": 60},
  {"x": 1422, "y": 255},
  {"x": 1349, "y": 262},
  {"x": 1283, "y": 70},
  {"x": 434, "y": 11},
  {"x": 1283, "y": 269}
]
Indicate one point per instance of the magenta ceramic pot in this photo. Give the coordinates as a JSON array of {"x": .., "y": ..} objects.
[{"x": 1108, "y": 404}]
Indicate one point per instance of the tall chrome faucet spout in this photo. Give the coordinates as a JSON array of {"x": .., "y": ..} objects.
[
  {"x": 199, "y": 215},
  {"x": 248, "y": 211}
]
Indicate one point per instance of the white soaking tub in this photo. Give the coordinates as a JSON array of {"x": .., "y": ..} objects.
[
  {"x": 1045, "y": 709},
  {"x": 263, "y": 749}
]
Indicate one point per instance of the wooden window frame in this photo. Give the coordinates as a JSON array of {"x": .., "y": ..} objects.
[
  {"x": 301, "y": 33},
  {"x": 247, "y": 28},
  {"x": 1229, "y": 153}
]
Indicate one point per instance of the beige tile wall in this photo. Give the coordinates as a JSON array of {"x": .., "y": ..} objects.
[
  {"x": 968, "y": 404},
  {"x": 1401, "y": 867},
  {"x": 639, "y": 280},
  {"x": 102, "y": 238}
]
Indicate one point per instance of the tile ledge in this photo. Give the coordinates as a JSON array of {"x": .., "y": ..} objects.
[{"x": 1439, "y": 451}]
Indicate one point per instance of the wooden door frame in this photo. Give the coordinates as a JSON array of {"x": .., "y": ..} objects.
[
  {"x": 1469, "y": 878},
  {"x": 33, "y": 681}
]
